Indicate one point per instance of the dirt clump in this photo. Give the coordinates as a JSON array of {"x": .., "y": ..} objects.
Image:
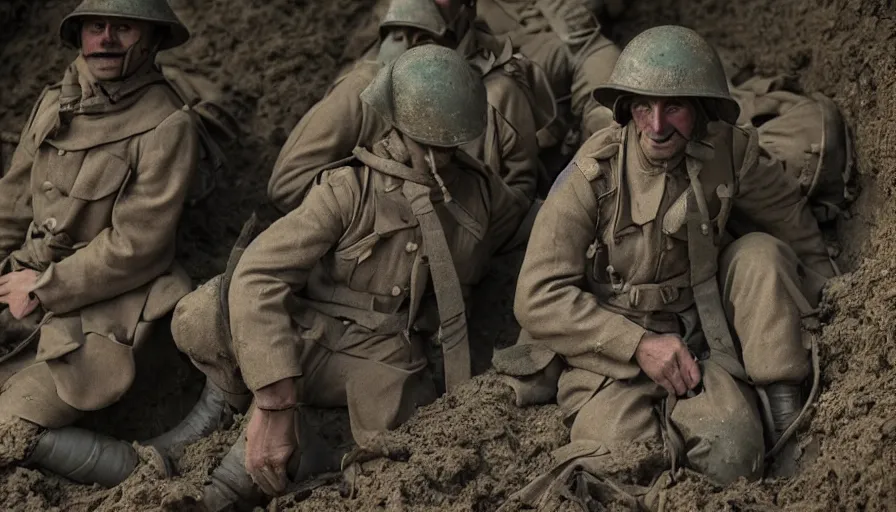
[{"x": 471, "y": 450}]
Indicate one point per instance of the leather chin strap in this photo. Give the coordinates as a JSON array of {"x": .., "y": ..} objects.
[{"x": 131, "y": 64}]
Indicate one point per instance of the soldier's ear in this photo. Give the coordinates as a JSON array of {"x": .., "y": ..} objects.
[
  {"x": 622, "y": 109},
  {"x": 703, "y": 115}
]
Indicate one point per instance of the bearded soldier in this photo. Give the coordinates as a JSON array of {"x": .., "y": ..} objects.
[
  {"x": 520, "y": 103},
  {"x": 87, "y": 216},
  {"x": 330, "y": 306},
  {"x": 632, "y": 277}
]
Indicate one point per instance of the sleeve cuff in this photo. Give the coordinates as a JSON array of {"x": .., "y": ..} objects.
[
  {"x": 47, "y": 291},
  {"x": 622, "y": 346},
  {"x": 269, "y": 368}
]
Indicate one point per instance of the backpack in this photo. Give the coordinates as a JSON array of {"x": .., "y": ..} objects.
[
  {"x": 217, "y": 127},
  {"x": 808, "y": 134}
]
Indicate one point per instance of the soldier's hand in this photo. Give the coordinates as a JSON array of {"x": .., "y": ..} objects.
[
  {"x": 666, "y": 360},
  {"x": 270, "y": 442},
  {"x": 15, "y": 290}
]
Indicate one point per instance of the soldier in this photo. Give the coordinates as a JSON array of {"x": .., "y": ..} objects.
[
  {"x": 518, "y": 107},
  {"x": 564, "y": 38},
  {"x": 623, "y": 272},
  {"x": 87, "y": 216},
  {"x": 326, "y": 135},
  {"x": 331, "y": 305}
]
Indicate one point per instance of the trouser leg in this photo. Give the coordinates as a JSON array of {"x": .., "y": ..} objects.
[
  {"x": 764, "y": 288},
  {"x": 379, "y": 396},
  {"x": 591, "y": 69},
  {"x": 29, "y": 399}
]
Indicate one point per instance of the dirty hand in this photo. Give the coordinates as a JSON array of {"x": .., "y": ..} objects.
[
  {"x": 271, "y": 437},
  {"x": 15, "y": 290},
  {"x": 666, "y": 360}
]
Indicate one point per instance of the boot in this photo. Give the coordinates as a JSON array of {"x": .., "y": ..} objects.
[
  {"x": 231, "y": 485},
  {"x": 214, "y": 410},
  {"x": 785, "y": 402},
  {"x": 86, "y": 457}
]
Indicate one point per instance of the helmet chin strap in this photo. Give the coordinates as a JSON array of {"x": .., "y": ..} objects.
[
  {"x": 431, "y": 162},
  {"x": 130, "y": 62}
]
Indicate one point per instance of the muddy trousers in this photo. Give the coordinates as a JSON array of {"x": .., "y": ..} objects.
[
  {"x": 32, "y": 383},
  {"x": 27, "y": 389},
  {"x": 379, "y": 394},
  {"x": 761, "y": 282},
  {"x": 574, "y": 76}
]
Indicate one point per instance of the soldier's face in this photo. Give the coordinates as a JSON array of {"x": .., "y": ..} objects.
[
  {"x": 106, "y": 41},
  {"x": 664, "y": 126}
]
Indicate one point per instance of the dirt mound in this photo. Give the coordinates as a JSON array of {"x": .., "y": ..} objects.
[{"x": 471, "y": 450}]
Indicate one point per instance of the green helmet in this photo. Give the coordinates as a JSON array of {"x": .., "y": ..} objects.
[
  {"x": 432, "y": 95},
  {"x": 421, "y": 14},
  {"x": 669, "y": 61},
  {"x": 154, "y": 11},
  {"x": 425, "y": 15}
]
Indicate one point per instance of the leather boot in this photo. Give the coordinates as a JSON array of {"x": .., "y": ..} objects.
[
  {"x": 213, "y": 411},
  {"x": 785, "y": 403},
  {"x": 231, "y": 485},
  {"x": 86, "y": 457}
]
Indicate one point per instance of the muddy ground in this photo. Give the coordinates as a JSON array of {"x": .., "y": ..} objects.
[{"x": 470, "y": 451}]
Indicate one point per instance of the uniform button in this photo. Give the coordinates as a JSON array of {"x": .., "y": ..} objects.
[
  {"x": 60, "y": 152},
  {"x": 411, "y": 247},
  {"x": 396, "y": 291},
  {"x": 47, "y": 186},
  {"x": 50, "y": 223}
]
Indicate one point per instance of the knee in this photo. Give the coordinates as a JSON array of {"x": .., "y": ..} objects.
[
  {"x": 198, "y": 318},
  {"x": 757, "y": 254},
  {"x": 616, "y": 419}
]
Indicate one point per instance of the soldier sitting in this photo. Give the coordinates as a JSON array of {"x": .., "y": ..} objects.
[
  {"x": 88, "y": 212},
  {"x": 668, "y": 327},
  {"x": 333, "y": 303}
]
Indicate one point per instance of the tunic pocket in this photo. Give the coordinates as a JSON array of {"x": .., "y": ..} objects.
[{"x": 102, "y": 174}]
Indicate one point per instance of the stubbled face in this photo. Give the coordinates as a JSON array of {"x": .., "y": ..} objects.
[
  {"x": 664, "y": 126},
  {"x": 106, "y": 41}
]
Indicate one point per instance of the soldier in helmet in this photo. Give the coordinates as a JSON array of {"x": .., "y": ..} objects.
[
  {"x": 87, "y": 216},
  {"x": 668, "y": 324},
  {"x": 330, "y": 132},
  {"x": 519, "y": 98},
  {"x": 330, "y": 306}
]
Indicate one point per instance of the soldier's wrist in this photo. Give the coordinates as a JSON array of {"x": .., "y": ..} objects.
[{"x": 279, "y": 396}]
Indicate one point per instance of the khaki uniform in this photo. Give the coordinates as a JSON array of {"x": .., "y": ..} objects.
[
  {"x": 91, "y": 199},
  {"x": 341, "y": 121},
  {"x": 337, "y": 292},
  {"x": 608, "y": 262},
  {"x": 564, "y": 39}
]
